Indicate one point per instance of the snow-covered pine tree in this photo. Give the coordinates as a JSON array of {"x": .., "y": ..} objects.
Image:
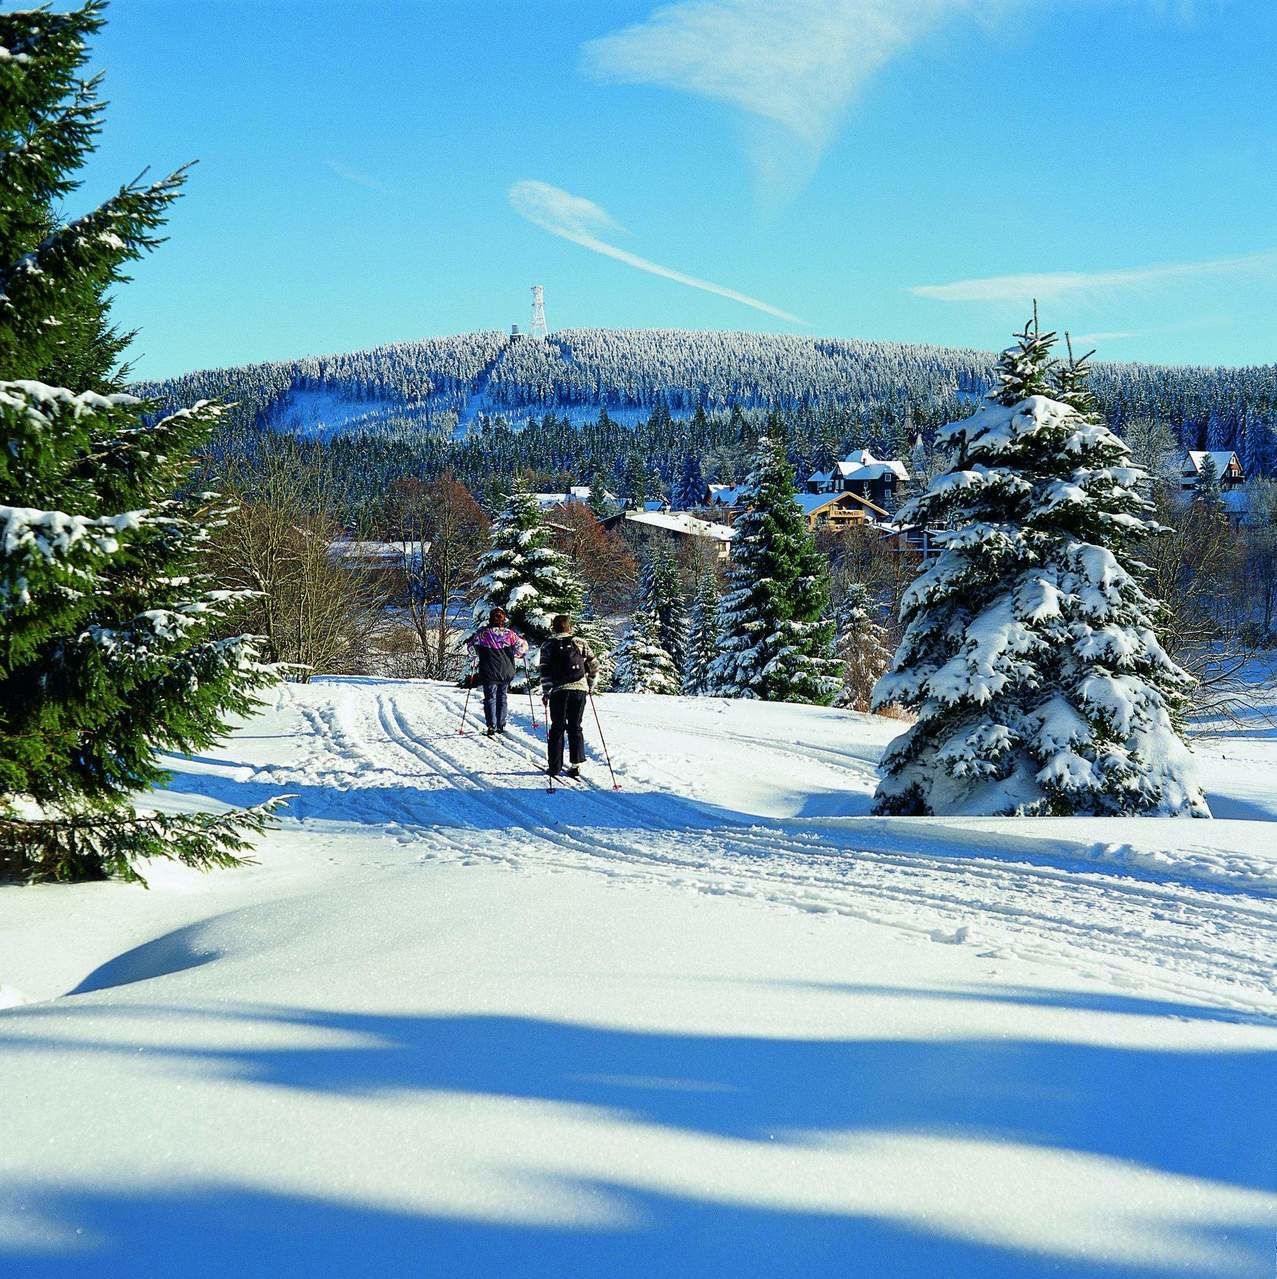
[
  {"x": 860, "y": 647},
  {"x": 522, "y": 573},
  {"x": 642, "y": 664},
  {"x": 776, "y": 640},
  {"x": 1028, "y": 368},
  {"x": 702, "y": 641},
  {"x": 598, "y": 635},
  {"x": 1208, "y": 492},
  {"x": 108, "y": 625},
  {"x": 661, "y": 593},
  {"x": 1030, "y": 654},
  {"x": 1073, "y": 381}
]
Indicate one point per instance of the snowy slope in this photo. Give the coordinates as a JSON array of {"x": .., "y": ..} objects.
[{"x": 718, "y": 1022}]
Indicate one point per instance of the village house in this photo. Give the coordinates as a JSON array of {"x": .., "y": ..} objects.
[
  {"x": 1228, "y": 469},
  {"x": 577, "y": 493},
  {"x": 1231, "y": 476},
  {"x": 675, "y": 527},
  {"x": 876, "y": 479},
  {"x": 838, "y": 511}
]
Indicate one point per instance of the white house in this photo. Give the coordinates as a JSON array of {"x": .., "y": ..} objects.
[{"x": 674, "y": 525}]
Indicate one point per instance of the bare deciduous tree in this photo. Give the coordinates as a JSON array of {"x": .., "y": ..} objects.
[
  {"x": 313, "y": 610},
  {"x": 444, "y": 531}
]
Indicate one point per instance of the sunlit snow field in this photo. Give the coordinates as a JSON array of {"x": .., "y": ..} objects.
[{"x": 718, "y": 1022}]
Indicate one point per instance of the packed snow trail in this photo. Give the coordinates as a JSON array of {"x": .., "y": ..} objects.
[
  {"x": 391, "y": 754},
  {"x": 718, "y": 1023}
]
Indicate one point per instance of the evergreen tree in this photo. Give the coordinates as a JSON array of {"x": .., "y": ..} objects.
[
  {"x": 598, "y": 635},
  {"x": 635, "y": 481},
  {"x": 522, "y": 573},
  {"x": 661, "y": 594},
  {"x": 690, "y": 489},
  {"x": 600, "y": 507},
  {"x": 1208, "y": 492},
  {"x": 112, "y": 638},
  {"x": 659, "y": 418},
  {"x": 642, "y": 664},
  {"x": 1030, "y": 654},
  {"x": 776, "y": 640},
  {"x": 860, "y": 647},
  {"x": 702, "y": 642},
  {"x": 825, "y": 455},
  {"x": 1073, "y": 382},
  {"x": 1028, "y": 367}
]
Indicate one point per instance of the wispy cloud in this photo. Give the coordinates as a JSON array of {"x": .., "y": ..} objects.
[
  {"x": 794, "y": 66},
  {"x": 1058, "y": 284},
  {"x": 353, "y": 175},
  {"x": 580, "y": 220}
]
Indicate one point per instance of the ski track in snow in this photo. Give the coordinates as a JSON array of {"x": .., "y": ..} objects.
[{"x": 456, "y": 797}]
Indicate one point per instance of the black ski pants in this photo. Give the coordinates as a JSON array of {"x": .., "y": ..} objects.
[{"x": 567, "y": 709}]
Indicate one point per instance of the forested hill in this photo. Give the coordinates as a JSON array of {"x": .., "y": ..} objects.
[
  {"x": 448, "y": 382},
  {"x": 449, "y": 385},
  {"x": 660, "y": 412}
]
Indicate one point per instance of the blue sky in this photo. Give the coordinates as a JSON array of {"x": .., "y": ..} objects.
[{"x": 902, "y": 169}]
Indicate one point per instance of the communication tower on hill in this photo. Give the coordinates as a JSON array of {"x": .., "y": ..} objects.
[{"x": 537, "y": 328}]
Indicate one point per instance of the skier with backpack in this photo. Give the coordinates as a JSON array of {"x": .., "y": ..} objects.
[
  {"x": 568, "y": 670},
  {"x": 496, "y": 648}
]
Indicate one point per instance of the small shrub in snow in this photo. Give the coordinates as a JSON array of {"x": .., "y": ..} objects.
[
  {"x": 702, "y": 641},
  {"x": 860, "y": 647},
  {"x": 642, "y": 664}
]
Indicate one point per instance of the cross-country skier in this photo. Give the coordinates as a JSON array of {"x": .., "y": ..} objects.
[
  {"x": 568, "y": 671},
  {"x": 496, "y": 648}
]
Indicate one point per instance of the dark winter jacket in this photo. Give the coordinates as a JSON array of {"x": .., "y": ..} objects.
[
  {"x": 497, "y": 649},
  {"x": 548, "y": 684}
]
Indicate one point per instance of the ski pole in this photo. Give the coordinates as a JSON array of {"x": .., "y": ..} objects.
[
  {"x": 615, "y": 784},
  {"x": 527, "y": 675},
  {"x": 465, "y": 710}
]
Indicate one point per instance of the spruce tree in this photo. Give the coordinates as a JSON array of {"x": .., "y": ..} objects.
[
  {"x": 642, "y": 663},
  {"x": 860, "y": 647},
  {"x": 598, "y": 635},
  {"x": 522, "y": 573},
  {"x": 702, "y": 641},
  {"x": 109, "y": 628},
  {"x": 1073, "y": 382},
  {"x": 1208, "y": 492},
  {"x": 1030, "y": 654},
  {"x": 661, "y": 593},
  {"x": 776, "y": 639},
  {"x": 600, "y": 506},
  {"x": 689, "y": 492},
  {"x": 1028, "y": 367}
]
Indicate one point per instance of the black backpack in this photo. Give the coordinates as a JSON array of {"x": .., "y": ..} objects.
[{"x": 563, "y": 661}]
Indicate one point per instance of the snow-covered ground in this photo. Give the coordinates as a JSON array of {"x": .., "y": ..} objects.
[{"x": 719, "y": 1022}]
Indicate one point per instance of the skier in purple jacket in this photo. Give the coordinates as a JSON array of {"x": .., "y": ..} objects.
[{"x": 496, "y": 649}]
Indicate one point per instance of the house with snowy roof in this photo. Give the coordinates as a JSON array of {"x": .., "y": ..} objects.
[
  {"x": 837, "y": 512},
  {"x": 876, "y": 479},
  {"x": 577, "y": 493},
  {"x": 833, "y": 511},
  {"x": 1228, "y": 469},
  {"x": 673, "y": 526},
  {"x": 722, "y": 495}
]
